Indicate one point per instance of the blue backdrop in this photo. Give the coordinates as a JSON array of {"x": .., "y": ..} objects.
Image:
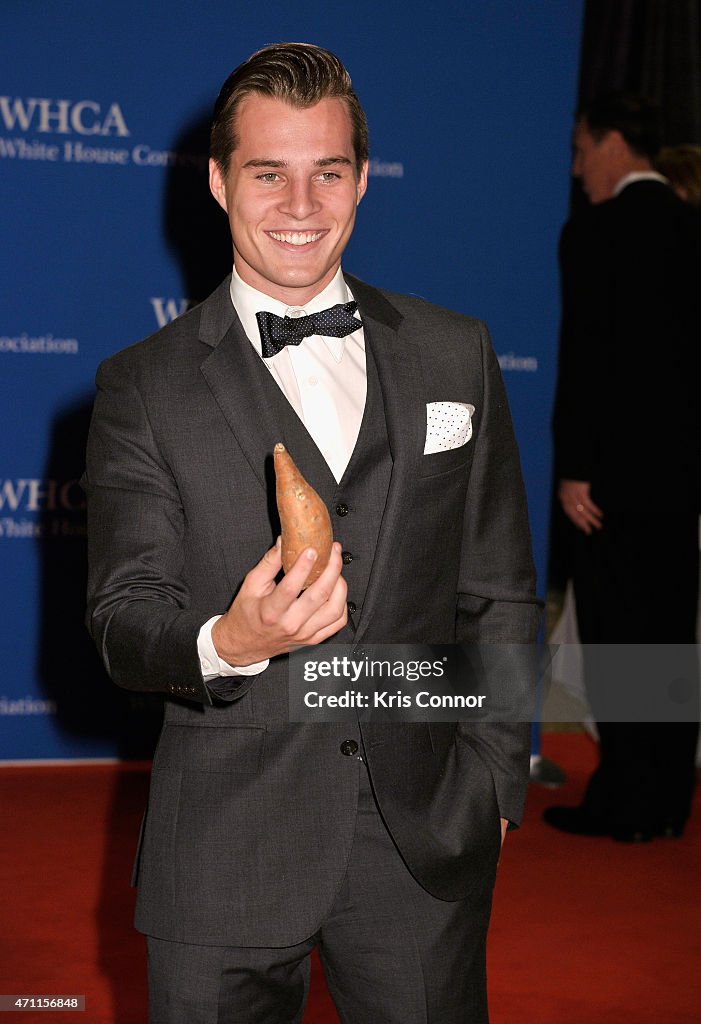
[{"x": 108, "y": 231}]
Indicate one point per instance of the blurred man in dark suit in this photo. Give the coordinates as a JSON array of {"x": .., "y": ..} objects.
[{"x": 626, "y": 430}]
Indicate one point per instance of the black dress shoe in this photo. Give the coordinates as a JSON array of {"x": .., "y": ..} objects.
[
  {"x": 633, "y": 835},
  {"x": 576, "y": 821},
  {"x": 670, "y": 830}
]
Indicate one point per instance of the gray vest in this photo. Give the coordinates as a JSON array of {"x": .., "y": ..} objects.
[{"x": 356, "y": 504}]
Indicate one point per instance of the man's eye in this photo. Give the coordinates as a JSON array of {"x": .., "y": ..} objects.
[
  {"x": 268, "y": 176},
  {"x": 328, "y": 176}
]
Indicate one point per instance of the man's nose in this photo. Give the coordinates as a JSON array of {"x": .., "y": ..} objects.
[{"x": 300, "y": 200}]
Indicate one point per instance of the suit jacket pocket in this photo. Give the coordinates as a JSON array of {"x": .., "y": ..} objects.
[
  {"x": 229, "y": 749},
  {"x": 446, "y": 462}
]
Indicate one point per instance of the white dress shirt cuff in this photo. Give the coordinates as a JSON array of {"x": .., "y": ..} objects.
[{"x": 212, "y": 665}]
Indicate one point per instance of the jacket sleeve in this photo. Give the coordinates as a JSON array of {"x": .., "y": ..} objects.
[
  {"x": 497, "y": 603},
  {"x": 586, "y": 299},
  {"x": 140, "y": 611}
]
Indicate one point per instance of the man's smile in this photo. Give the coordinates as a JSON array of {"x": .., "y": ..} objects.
[{"x": 296, "y": 237}]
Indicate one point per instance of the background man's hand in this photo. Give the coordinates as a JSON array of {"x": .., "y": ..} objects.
[
  {"x": 578, "y": 506},
  {"x": 266, "y": 618}
]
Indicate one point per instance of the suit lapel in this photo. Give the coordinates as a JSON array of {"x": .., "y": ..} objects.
[
  {"x": 239, "y": 381},
  {"x": 397, "y": 357}
]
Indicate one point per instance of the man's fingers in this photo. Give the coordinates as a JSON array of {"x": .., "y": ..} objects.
[
  {"x": 289, "y": 587},
  {"x": 587, "y": 508},
  {"x": 266, "y": 619},
  {"x": 581, "y": 524},
  {"x": 578, "y": 506},
  {"x": 586, "y": 513},
  {"x": 262, "y": 576},
  {"x": 322, "y": 589},
  {"x": 328, "y": 631},
  {"x": 326, "y": 614},
  {"x": 323, "y": 599},
  {"x": 584, "y": 520}
]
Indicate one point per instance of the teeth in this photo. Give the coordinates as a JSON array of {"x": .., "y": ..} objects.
[{"x": 296, "y": 237}]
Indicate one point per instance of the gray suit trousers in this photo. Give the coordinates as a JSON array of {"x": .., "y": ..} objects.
[{"x": 391, "y": 953}]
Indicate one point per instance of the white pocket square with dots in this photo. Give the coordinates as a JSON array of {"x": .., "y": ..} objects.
[{"x": 448, "y": 425}]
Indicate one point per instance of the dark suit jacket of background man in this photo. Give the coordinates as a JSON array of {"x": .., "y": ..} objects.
[
  {"x": 628, "y": 393},
  {"x": 251, "y": 818},
  {"x": 627, "y": 420}
]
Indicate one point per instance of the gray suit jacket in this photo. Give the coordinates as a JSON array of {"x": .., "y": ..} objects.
[{"x": 250, "y": 818}]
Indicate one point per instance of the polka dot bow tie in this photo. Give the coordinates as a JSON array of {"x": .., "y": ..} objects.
[{"x": 278, "y": 331}]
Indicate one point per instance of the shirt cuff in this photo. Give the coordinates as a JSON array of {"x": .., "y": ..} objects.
[{"x": 212, "y": 665}]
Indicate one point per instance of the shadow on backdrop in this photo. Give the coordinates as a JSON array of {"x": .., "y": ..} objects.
[
  {"x": 195, "y": 227},
  {"x": 196, "y": 231},
  {"x": 88, "y": 706}
]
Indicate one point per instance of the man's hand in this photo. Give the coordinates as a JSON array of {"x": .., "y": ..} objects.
[
  {"x": 578, "y": 506},
  {"x": 266, "y": 618},
  {"x": 504, "y": 826}
]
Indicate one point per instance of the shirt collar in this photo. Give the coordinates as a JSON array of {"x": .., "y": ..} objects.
[
  {"x": 628, "y": 179},
  {"x": 248, "y": 301}
]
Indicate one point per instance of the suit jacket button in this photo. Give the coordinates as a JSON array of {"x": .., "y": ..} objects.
[
  {"x": 347, "y": 557},
  {"x": 349, "y": 748},
  {"x": 342, "y": 509},
  {"x": 352, "y": 607}
]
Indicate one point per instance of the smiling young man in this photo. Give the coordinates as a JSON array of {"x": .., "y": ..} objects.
[
  {"x": 377, "y": 844},
  {"x": 291, "y": 191}
]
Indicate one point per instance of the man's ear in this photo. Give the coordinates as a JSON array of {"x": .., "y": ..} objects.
[
  {"x": 362, "y": 183},
  {"x": 216, "y": 184},
  {"x": 616, "y": 143}
]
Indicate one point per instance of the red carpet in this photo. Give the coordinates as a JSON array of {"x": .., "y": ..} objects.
[
  {"x": 585, "y": 931},
  {"x": 589, "y": 931}
]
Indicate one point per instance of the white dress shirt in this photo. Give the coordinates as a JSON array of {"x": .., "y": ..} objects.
[
  {"x": 325, "y": 382},
  {"x": 633, "y": 176}
]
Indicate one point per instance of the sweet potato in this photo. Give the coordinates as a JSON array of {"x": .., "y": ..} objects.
[{"x": 304, "y": 518}]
